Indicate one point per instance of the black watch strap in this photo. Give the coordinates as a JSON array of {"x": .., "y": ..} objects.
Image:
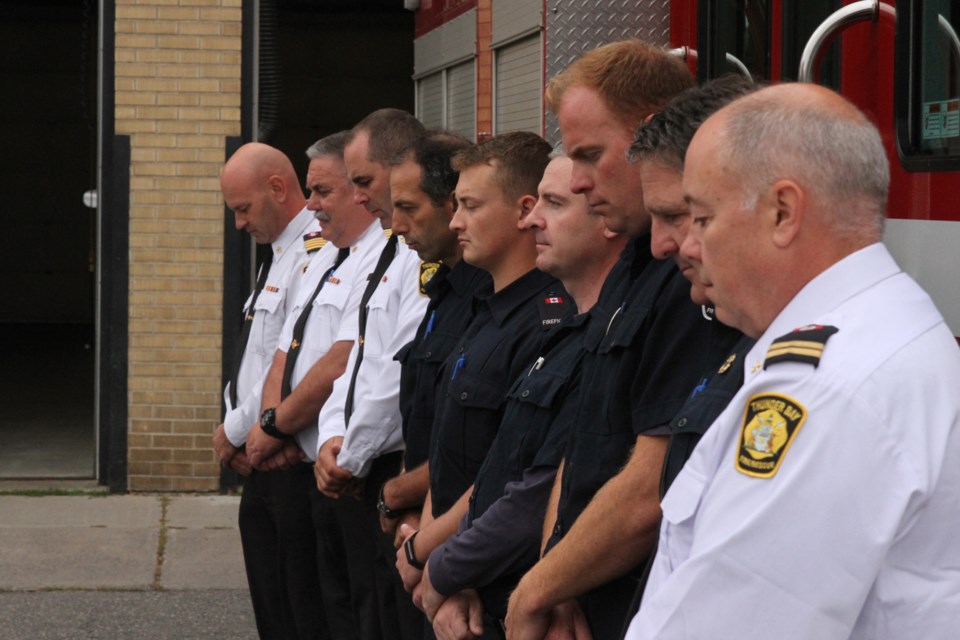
[
  {"x": 411, "y": 553},
  {"x": 268, "y": 423},
  {"x": 384, "y": 510}
]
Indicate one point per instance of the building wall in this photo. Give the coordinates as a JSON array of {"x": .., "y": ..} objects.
[{"x": 177, "y": 96}]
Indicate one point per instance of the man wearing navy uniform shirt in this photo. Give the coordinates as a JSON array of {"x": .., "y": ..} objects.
[
  {"x": 500, "y": 536},
  {"x": 649, "y": 348},
  {"x": 496, "y": 190},
  {"x": 422, "y": 183}
]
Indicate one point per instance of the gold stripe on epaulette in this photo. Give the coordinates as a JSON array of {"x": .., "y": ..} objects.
[
  {"x": 314, "y": 244},
  {"x": 801, "y": 344},
  {"x": 812, "y": 352}
]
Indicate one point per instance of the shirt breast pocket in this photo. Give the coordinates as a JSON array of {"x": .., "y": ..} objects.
[
  {"x": 531, "y": 400},
  {"x": 381, "y": 323},
  {"x": 623, "y": 329},
  {"x": 480, "y": 402},
  {"x": 333, "y": 296},
  {"x": 324, "y": 323},
  {"x": 679, "y": 514},
  {"x": 540, "y": 389},
  {"x": 434, "y": 349},
  {"x": 265, "y": 332}
]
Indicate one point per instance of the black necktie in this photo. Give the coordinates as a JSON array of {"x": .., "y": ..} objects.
[
  {"x": 301, "y": 325},
  {"x": 247, "y": 325},
  {"x": 386, "y": 257}
]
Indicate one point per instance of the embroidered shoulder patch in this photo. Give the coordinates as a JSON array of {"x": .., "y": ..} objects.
[
  {"x": 770, "y": 423},
  {"x": 553, "y": 309},
  {"x": 800, "y": 345},
  {"x": 313, "y": 241},
  {"x": 427, "y": 271}
]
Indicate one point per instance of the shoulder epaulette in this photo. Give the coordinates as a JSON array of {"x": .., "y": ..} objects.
[
  {"x": 800, "y": 345},
  {"x": 313, "y": 241},
  {"x": 553, "y": 309},
  {"x": 427, "y": 271}
]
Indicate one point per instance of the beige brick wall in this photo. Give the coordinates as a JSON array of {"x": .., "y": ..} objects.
[{"x": 178, "y": 97}]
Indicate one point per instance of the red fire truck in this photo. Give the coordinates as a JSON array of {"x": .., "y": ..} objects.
[{"x": 899, "y": 61}]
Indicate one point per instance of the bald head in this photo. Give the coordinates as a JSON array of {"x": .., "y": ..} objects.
[
  {"x": 261, "y": 187},
  {"x": 811, "y": 135}
]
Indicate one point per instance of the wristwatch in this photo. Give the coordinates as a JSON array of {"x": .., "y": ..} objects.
[
  {"x": 268, "y": 422},
  {"x": 384, "y": 510},
  {"x": 411, "y": 553}
]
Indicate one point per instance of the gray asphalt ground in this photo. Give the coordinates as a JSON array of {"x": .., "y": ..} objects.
[{"x": 122, "y": 566}]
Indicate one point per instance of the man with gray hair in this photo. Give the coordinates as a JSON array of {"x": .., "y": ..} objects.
[
  {"x": 312, "y": 352},
  {"x": 822, "y": 503},
  {"x": 360, "y": 443}
]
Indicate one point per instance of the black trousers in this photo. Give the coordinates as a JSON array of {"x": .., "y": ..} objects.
[
  {"x": 349, "y": 541},
  {"x": 279, "y": 551}
]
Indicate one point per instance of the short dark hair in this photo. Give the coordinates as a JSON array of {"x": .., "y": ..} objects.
[
  {"x": 433, "y": 153},
  {"x": 331, "y": 145},
  {"x": 519, "y": 158},
  {"x": 668, "y": 133},
  {"x": 390, "y": 130}
]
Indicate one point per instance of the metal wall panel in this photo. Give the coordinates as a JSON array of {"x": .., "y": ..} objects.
[
  {"x": 517, "y": 91},
  {"x": 430, "y": 100},
  {"x": 576, "y": 26},
  {"x": 453, "y": 42},
  {"x": 513, "y": 18},
  {"x": 462, "y": 99}
]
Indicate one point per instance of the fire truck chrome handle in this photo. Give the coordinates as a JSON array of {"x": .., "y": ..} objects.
[
  {"x": 685, "y": 52},
  {"x": 838, "y": 20}
]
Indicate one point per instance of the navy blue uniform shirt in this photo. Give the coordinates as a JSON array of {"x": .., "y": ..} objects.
[
  {"x": 646, "y": 348},
  {"x": 707, "y": 401},
  {"x": 504, "y": 337},
  {"x": 452, "y": 292}
]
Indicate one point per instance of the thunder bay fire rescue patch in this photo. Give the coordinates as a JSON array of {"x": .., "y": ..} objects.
[
  {"x": 770, "y": 423},
  {"x": 427, "y": 271}
]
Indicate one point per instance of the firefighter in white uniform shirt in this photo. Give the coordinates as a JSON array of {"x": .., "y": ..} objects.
[
  {"x": 361, "y": 440},
  {"x": 260, "y": 185},
  {"x": 276, "y": 523},
  {"x": 824, "y": 501}
]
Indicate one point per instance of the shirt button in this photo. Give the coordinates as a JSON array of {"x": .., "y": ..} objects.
[
  {"x": 556, "y": 529},
  {"x": 526, "y": 392},
  {"x": 682, "y": 422},
  {"x": 428, "y": 354},
  {"x": 463, "y": 396}
]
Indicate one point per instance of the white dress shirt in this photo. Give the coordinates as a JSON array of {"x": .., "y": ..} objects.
[
  {"x": 857, "y": 533},
  {"x": 393, "y": 313},
  {"x": 334, "y": 314},
  {"x": 273, "y": 305}
]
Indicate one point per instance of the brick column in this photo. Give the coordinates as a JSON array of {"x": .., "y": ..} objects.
[
  {"x": 177, "y": 96},
  {"x": 484, "y": 70}
]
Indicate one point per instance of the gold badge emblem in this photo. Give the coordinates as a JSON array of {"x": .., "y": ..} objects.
[
  {"x": 427, "y": 271},
  {"x": 770, "y": 423}
]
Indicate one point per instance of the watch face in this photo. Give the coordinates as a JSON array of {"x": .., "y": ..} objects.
[{"x": 268, "y": 418}]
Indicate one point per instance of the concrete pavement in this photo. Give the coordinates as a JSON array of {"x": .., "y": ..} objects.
[{"x": 122, "y": 566}]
